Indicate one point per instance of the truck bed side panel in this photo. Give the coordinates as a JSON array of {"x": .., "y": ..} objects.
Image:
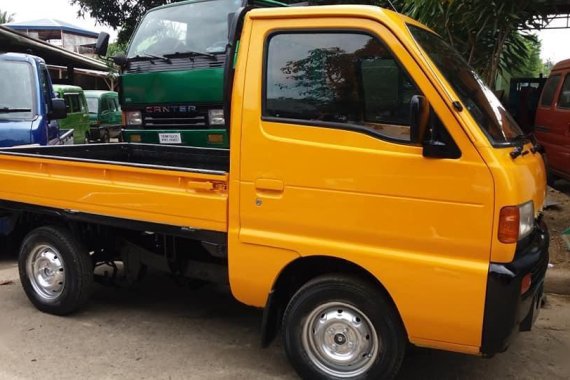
[{"x": 179, "y": 198}]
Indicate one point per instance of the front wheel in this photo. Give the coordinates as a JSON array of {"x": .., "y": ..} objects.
[
  {"x": 551, "y": 178},
  {"x": 338, "y": 327},
  {"x": 55, "y": 270},
  {"x": 105, "y": 138}
]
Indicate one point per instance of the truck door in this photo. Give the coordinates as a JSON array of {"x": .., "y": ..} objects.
[
  {"x": 553, "y": 122},
  {"x": 329, "y": 166},
  {"x": 47, "y": 94}
]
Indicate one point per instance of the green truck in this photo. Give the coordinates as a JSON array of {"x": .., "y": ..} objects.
[
  {"x": 104, "y": 115},
  {"x": 77, "y": 113},
  {"x": 172, "y": 76}
]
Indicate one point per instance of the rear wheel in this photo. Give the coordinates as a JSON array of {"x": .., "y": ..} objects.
[
  {"x": 55, "y": 270},
  {"x": 338, "y": 327},
  {"x": 105, "y": 136},
  {"x": 551, "y": 178}
]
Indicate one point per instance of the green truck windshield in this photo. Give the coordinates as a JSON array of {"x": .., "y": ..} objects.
[
  {"x": 184, "y": 28},
  {"x": 480, "y": 101},
  {"x": 16, "y": 90}
]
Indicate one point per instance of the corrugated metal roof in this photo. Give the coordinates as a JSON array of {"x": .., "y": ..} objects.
[
  {"x": 13, "y": 41},
  {"x": 51, "y": 24}
]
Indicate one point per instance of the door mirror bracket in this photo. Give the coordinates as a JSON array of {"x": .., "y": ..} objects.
[{"x": 437, "y": 143}]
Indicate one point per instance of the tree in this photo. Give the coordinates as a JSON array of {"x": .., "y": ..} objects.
[
  {"x": 532, "y": 66},
  {"x": 6, "y": 17},
  {"x": 123, "y": 14},
  {"x": 487, "y": 33}
]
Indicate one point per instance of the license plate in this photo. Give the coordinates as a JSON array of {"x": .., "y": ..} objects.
[{"x": 169, "y": 138}]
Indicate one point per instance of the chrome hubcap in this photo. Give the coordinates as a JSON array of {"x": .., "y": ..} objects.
[
  {"x": 46, "y": 272},
  {"x": 340, "y": 340}
]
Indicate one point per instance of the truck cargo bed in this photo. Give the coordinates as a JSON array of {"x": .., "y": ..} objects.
[
  {"x": 184, "y": 187},
  {"x": 143, "y": 155}
]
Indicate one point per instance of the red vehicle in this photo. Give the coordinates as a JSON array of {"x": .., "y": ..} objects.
[{"x": 552, "y": 124}]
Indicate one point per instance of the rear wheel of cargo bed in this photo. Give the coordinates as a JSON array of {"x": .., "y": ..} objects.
[
  {"x": 105, "y": 138},
  {"x": 551, "y": 178},
  {"x": 55, "y": 270},
  {"x": 339, "y": 327}
]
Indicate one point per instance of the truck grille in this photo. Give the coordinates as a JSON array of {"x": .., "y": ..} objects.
[
  {"x": 193, "y": 121},
  {"x": 176, "y": 64}
]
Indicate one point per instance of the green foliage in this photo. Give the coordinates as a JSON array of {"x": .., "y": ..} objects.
[
  {"x": 487, "y": 33},
  {"x": 6, "y": 17},
  {"x": 532, "y": 66},
  {"x": 116, "y": 48}
]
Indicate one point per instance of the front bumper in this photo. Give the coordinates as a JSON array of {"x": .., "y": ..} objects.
[{"x": 506, "y": 310}]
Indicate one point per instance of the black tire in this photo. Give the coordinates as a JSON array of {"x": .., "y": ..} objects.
[
  {"x": 551, "y": 178},
  {"x": 105, "y": 136},
  {"x": 379, "y": 356},
  {"x": 56, "y": 271}
]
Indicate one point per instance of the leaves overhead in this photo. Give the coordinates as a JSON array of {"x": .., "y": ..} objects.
[
  {"x": 486, "y": 32},
  {"x": 6, "y": 17}
]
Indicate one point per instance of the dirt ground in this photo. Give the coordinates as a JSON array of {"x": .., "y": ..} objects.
[{"x": 159, "y": 330}]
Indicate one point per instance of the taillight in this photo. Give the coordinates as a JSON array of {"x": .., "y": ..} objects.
[{"x": 509, "y": 221}]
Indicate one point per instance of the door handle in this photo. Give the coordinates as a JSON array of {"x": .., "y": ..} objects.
[{"x": 269, "y": 185}]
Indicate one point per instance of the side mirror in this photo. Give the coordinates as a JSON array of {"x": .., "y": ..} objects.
[
  {"x": 419, "y": 117},
  {"x": 58, "y": 110},
  {"x": 102, "y": 44},
  {"x": 120, "y": 60},
  {"x": 438, "y": 143}
]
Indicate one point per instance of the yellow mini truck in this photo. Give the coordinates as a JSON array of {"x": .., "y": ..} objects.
[{"x": 375, "y": 194}]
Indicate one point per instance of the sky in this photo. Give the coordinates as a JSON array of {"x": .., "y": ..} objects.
[
  {"x": 555, "y": 44},
  {"x": 28, "y": 10}
]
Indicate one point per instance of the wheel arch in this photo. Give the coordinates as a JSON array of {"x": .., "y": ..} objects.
[{"x": 299, "y": 272}]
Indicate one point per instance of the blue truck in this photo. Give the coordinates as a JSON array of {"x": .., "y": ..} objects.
[{"x": 29, "y": 109}]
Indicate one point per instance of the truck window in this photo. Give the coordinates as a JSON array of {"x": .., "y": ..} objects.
[
  {"x": 17, "y": 96},
  {"x": 338, "y": 77},
  {"x": 111, "y": 105},
  {"x": 44, "y": 75},
  {"x": 564, "y": 99},
  {"x": 199, "y": 26},
  {"x": 92, "y": 105},
  {"x": 549, "y": 90},
  {"x": 72, "y": 103}
]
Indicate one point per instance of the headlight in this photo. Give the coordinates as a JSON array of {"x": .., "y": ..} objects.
[
  {"x": 216, "y": 117},
  {"x": 526, "y": 219},
  {"x": 133, "y": 118},
  {"x": 516, "y": 222}
]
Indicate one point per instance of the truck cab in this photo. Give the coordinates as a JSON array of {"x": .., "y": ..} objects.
[
  {"x": 77, "y": 118},
  {"x": 104, "y": 115},
  {"x": 552, "y": 123},
  {"x": 28, "y": 110},
  {"x": 172, "y": 78}
]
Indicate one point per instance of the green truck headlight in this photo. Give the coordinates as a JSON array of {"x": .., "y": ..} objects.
[
  {"x": 133, "y": 117},
  {"x": 216, "y": 117}
]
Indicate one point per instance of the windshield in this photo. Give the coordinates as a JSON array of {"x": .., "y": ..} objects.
[
  {"x": 480, "y": 101},
  {"x": 192, "y": 27},
  {"x": 16, "y": 90},
  {"x": 92, "y": 105}
]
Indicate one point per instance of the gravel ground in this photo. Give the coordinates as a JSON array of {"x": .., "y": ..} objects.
[{"x": 161, "y": 331}]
